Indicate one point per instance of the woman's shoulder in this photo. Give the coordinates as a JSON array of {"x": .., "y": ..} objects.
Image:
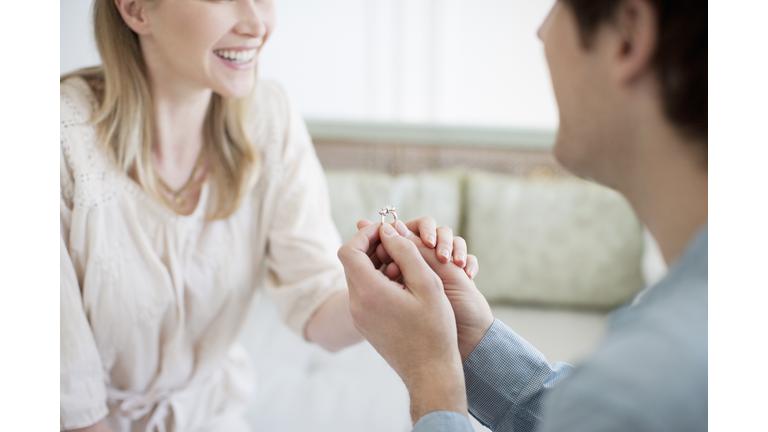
[
  {"x": 270, "y": 100},
  {"x": 81, "y": 158},
  {"x": 78, "y": 104},
  {"x": 78, "y": 101},
  {"x": 270, "y": 117}
]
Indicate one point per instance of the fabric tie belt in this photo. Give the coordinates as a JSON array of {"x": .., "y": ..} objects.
[{"x": 136, "y": 405}]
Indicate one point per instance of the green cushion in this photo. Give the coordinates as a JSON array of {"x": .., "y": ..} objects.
[{"x": 564, "y": 241}]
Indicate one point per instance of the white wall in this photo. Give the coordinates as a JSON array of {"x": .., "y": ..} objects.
[
  {"x": 468, "y": 62},
  {"x": 78, "y": 49}
]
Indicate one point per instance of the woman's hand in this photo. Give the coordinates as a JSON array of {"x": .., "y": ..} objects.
[{"x": 446, "y": 247}]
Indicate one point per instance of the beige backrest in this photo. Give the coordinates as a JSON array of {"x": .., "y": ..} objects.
[
  {"x": 558, "y": 242},
  {"x": 541, "y": 236}
]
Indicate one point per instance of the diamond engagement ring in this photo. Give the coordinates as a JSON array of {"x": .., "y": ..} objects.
[{"x": 387, "y": 210}]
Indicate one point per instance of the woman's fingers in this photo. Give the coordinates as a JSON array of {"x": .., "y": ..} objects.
[
  {"x": 444, "y": 247},
  {"x": 424, "y": 227},
  {"x": 447, "y": 247},
  {"x": 417, "y": 274},
  {"x": 472, "y": 266},
  {"x": 459, "y": 252}
]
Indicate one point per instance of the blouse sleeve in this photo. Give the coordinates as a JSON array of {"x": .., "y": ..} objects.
[
  {"x": 303, "y": 270},
  {"x": 83, "y": 396}
]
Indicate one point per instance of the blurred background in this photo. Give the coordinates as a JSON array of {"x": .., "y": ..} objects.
[
  {"x": 442, "y": 108},
  {"x": 458, "y": 62}
]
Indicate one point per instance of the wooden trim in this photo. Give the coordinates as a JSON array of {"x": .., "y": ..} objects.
[{"x": 431, "y": 135}]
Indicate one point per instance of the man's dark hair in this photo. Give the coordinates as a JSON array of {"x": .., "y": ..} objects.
[{"x": 680, "y": 59}]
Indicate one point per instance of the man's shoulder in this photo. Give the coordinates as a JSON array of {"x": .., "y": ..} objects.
[{"x": 651, "y": 370}]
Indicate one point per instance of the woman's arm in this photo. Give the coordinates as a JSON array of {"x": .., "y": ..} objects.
[
  {"x": 98, "y": 427},
  {"x": 331, "y": 327}
]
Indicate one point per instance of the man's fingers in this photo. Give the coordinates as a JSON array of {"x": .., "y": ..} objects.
[
  {"x": 363, "y": 223},
  {"x": 354, "y": 253},
  {"x": 424, "y": 227},
  {"x": 372, "y": 248},
  {"x": 376, "y": 261},
  {"x": 416, "y": 272},
  {"x": 444, "y": 244},
  {"x": 393, "y": 272}
]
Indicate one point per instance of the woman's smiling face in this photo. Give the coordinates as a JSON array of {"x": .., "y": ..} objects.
[{"x": 205, "y": 44}]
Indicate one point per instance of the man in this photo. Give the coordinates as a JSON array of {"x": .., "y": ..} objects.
[{"x": 630, "y": 78}]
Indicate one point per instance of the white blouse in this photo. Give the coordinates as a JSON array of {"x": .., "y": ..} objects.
[{"x": 152, "y": 301}]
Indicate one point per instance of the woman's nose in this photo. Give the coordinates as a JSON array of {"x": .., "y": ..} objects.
[{"x": 253, "y": 16}]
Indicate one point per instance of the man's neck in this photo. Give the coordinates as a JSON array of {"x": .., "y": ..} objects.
[{"x": 668, "y": 188}]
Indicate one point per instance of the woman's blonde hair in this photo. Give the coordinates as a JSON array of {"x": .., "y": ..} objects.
[{"x": 124, "y": 119}]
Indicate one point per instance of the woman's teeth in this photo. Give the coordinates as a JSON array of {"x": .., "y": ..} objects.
[{"x": 236, "y": 57}]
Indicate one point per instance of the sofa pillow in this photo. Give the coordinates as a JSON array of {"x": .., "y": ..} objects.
[
  {"x": 357, "y": 195},
  {"x": 559, "y": 241}
]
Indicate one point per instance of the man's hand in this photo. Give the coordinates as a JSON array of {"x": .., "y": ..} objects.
[
  {"x": 471, "y": 309},
  {"x": 411, "y": 324}
]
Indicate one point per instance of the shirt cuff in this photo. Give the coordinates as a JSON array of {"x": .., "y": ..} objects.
[
  {"x": 443, "y": 421},
  {"x": 82, "y": 402},
  {"x": 505, "y": 376}
]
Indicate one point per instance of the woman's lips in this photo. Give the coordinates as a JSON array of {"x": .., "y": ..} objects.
[{"x": 237, "y": 58}]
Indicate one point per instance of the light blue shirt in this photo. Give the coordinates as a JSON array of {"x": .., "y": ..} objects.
[{"x": 648, "y": 374}]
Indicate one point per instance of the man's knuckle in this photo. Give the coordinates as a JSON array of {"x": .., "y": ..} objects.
[
  {"x": 355, "y": 310},
  {"x": 341, "y": 253},
  {"x": 436, "y": 282},
  {"x": 365, "y": 301}
]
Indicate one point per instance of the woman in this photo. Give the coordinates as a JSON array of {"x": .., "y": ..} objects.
[
  {"x": 185, "y": 183},
  {"x": 180, "y": 179}
]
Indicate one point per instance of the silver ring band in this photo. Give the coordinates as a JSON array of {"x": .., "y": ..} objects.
[{"x": 387, "y": 210}]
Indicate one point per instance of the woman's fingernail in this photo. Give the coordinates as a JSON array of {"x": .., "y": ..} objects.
[
  {"x": 388, "y": 230},
  {"x": 402, "y": 229},
  {"x": 431, "y": 240},
  {"x": 446, "y": 254},
  {"x": 460, "y": 259}
]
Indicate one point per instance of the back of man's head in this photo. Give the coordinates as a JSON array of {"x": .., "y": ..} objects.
[{"x": 680, "y": 60}]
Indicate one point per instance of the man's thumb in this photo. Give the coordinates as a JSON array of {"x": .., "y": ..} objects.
[{"x": 416, "y": 272}]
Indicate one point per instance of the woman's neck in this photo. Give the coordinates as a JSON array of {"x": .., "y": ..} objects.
[{"x": 178, "y": 139}]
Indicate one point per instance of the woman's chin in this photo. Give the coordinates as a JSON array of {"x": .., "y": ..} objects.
[{"x": 236, "y": 90}]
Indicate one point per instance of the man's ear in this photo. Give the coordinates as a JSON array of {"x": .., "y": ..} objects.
[
  {"x": 636, "y": 26},
  {"x": 134, "y": 15}
]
